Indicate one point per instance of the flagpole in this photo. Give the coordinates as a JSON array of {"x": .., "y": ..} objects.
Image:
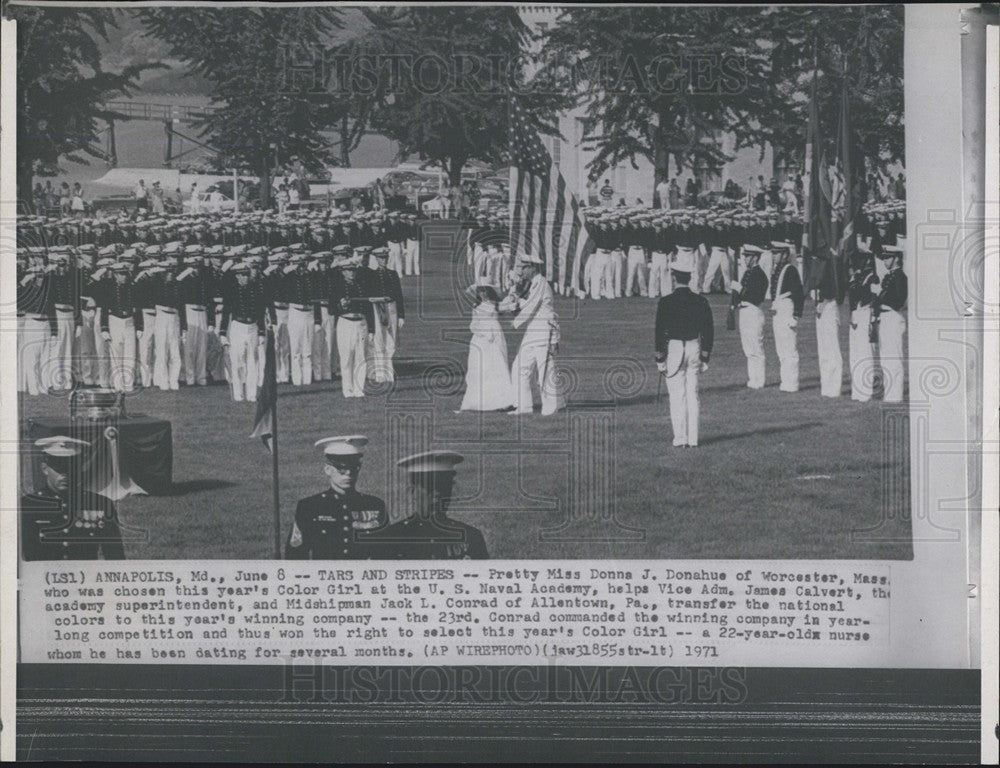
[{"x": 275, "y": 493}]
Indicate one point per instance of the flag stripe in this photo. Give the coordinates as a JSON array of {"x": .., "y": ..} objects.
[{"x": 547, "y": 217}]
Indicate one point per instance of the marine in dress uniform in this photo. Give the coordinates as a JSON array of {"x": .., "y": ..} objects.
[
  {"x": 683, "y": 341},
  {"x": 787, "y": 299},
  {"x": 861, "y": 351},
  {"x": 355, "y": 323},
  {"x": 332, "y": 524},
  {"x": 751, "y": 292},
  {"x": 891, "y": 302},
  {"x": 121, "y": 319},
  {"x": 389, "y": 316},
  {"x": 241, "y": 329},
  {"x": 62, "y": 521},
  {"x": 429, "y": 534}
]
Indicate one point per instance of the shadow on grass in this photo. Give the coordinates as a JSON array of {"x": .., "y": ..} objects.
[
  {"x": 196, "y": 486},
  {"x": 777, "y": 430}
]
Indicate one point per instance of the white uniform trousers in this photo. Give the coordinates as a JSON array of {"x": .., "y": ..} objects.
[
  {"x": 682, "y": 387},
  {"x": 717, "y": 261},
  {"x": 752, "y": 339},
  {"x": 34, "y": 374},
  {"x": 244, "y": 349},
  {"x": 352, "y": 337},
  {"x": 90, "y": 337},
  {"x": 479, "y": 261},
  {"x": 384, "y": 345},
  {"x": 412, "y": 260},
  {"x": 121, "y": 352},
  {"x": 862, "y": 355},
  {"x": 636, "y": 270},
  {"x": 396, "y": 257},
  {"x": 535, "y": 363},
  {"x": 300, "y": 341},
  {"x": 102, "y": 355},
  {"x": 659, "y": 275},
  {"x": 167, "y": 348},
  {"x": 196, "y": 346},
  {"x": 282, "y": 345},
  {"x": 61, "y": 352},
  {"x": 831, "y": 362},
  {"x": 616, "y": 271},
  {"x": 891, "y": 353},
  {"x": 785, "y": 342},
  {"x": 146, "y": 346},
  {"x": 322, "y": 346},
  {"x": 593, "y": 273}
]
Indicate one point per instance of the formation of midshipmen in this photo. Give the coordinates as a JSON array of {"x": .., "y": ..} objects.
[{"x": 161, "y": 314}]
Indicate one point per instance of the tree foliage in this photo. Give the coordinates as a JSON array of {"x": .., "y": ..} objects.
[
  {"x": 445, "y": 77},
  {"x": 61, "y": 87},
  {"x": 265, "y": 112},
  {"x": 662, "y": 82}
]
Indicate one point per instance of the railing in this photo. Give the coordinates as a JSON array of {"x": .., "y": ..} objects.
[{"x": 145, "y": 111}]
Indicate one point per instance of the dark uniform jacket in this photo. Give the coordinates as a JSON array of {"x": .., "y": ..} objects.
[
  {"x": 328, "y": 526},
  {"x": 167, "y": 293},
  {"x": 385, "y": 282},
  {"x": 34, "y": 298},
  {"x": 244, "y": 304},
  {"x": 791, "y": 284},
  {"x": 894, "y": 290},
  {"x": 196, "y": 288},
  {"x": 344, "y": 295},
  {"x": 859, "y": 292},
  {"x": 119, "y": 299},
  {"x": 683, "y": 315},
  {"x": 436, "y": 538},
  {"x": 753, "y": 286},
  {"x": 49, "y": 529}
]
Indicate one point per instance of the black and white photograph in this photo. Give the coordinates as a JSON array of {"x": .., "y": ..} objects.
[
  {"x": 670, "y": 328},
  {"x": 527, "y": 281}
]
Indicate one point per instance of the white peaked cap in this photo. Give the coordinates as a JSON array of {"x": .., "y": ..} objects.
[{"x": 344, "y": 445}]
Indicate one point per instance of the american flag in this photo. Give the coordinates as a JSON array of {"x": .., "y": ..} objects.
[{"x": 545, "y": 215}]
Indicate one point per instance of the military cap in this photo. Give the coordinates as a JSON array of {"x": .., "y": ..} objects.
[
  {"x": 153, "y": 250},
  {"x": 107, "y": 250},
  {"x": 780, "y": 245},
  {"x": 336, "y": 449},
  {"x": 380, "y": 253},
  {"x": 683, "y": 262},
  {"x": 891, "y": 251},
  {"x": 341, "y": 250},
  {"x": 431, "y": 461},
  {"x": 59, "y": 450}
]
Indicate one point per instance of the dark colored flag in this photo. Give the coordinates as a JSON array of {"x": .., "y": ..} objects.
[{"x": 267, "y": 397}]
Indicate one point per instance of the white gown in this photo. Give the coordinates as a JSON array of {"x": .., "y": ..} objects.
[{"x": 487, "y": 381}]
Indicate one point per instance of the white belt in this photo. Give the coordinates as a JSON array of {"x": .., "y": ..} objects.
[
  {"x": 63, "y": 308},
  {"x": 301, "y": 307},
  {"x": 168, "y": 310}
]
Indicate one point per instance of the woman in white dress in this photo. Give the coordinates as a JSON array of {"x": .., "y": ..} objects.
[{"x": 487, "y": 381}]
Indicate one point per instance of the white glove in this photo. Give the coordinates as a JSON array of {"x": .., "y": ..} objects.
[
  {"x": 371, "y": 338},
  {"x": 735, "y": 285},
  {"x": 794, "y": 322},
  {"x": 400, "y": 323},
  {"x": 106, "y": 335},
  {"x": 224, "y": 341},
  {"x": 138, "y": 334},
  {"x": 662, "y": 367},
  {"x": 317, "y": 327},
  {"x": 79, "y": 330},
  {"x": 874, "y": 288},
  {"x": 704, "y": 367}
]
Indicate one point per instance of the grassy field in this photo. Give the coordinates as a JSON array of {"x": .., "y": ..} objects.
[{"x": 776, "y": 475}]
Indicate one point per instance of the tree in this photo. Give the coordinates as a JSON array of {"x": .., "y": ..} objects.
[
  {"x": 61, "y": 88},
  {"x": 444, "y": 79},
  {"x": 857, "y": 48},
  {"x": 659, "y": 82},
  {"x": 266, "y": 113}
]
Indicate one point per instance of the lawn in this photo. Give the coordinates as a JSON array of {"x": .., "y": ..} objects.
[{"x": 776, "y": 475}]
